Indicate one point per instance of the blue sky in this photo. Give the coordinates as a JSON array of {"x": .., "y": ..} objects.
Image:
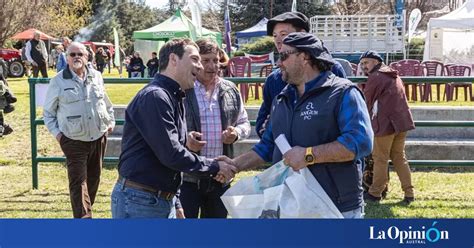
[{"x": 156, "y": 3}]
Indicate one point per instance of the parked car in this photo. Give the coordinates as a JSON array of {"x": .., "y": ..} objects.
[{"x": 12, "y": 57}]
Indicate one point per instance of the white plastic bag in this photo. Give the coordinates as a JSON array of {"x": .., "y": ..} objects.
[{"x": 279, "y": 192}]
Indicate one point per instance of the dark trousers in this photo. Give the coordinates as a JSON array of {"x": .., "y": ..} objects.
[
  {"x": 205, "y": 196},
  {"x": 42, "y": 68},
  {"x": 100, "y": 67},
  {"x": 84, "y": 164}
]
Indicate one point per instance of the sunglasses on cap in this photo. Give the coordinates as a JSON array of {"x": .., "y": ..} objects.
[
  {"x": 76, "y": 54},
  {"x": 285, "y": 55}
]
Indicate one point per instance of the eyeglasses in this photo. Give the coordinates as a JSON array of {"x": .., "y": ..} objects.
[
  {"x": 76, "y": 54},
  {"x": 285, "y": 55}
]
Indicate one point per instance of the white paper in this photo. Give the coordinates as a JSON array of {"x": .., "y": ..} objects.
[{"x": 282, "y": 143}]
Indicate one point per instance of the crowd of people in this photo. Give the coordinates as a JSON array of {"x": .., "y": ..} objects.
[{"x": 177, "y": 156}]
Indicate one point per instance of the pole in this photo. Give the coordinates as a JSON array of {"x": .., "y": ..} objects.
[{"x": 34, "y": 144}]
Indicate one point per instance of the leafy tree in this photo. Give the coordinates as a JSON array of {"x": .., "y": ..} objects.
[{"x": 64, "y": 17}]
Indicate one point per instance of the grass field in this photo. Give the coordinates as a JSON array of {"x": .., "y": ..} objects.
[{"x": 447, "y": 193}]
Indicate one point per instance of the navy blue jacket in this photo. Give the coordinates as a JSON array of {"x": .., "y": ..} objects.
[
  {"x": 314, "y": 119},
  {"x": 274, "y": 84},
  {"x": 154, "y": 138}
]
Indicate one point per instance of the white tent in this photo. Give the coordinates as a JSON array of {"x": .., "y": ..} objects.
[{"x": 450, "y": 38}]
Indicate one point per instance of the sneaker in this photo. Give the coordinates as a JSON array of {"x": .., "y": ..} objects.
[
  {"x": 9, "y": 97},
  {"x": 7, "y": 129},
  {"x": 370, "y": 198},
  {"x": 407, "y": 200},
  {"x": 8, "y": 109}
]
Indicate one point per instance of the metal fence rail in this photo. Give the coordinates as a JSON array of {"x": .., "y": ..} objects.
[{"x": 35, "y": 121}]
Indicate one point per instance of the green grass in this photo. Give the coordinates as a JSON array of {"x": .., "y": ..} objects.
[{"x": 440, "y": 193}]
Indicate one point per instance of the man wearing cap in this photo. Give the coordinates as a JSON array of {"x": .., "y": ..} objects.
[
  {"x": 279, "y": 27},
  {"x": 391, "y": 119},
  {"x": 325, "y": 120}
]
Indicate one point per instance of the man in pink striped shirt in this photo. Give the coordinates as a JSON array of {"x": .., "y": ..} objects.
[{"x": 215, "y": 118}]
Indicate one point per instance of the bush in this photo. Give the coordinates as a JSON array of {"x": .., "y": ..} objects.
[{"x": 261, "y": 46}]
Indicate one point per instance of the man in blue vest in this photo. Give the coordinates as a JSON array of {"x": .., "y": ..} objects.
[
  {"x": 325, "y": 120},
  {"x": 279, "y": 27}
]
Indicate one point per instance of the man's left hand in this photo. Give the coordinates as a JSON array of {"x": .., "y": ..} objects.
[
  {"x": 229, "y": 135},
  {"x": 295, "y": 158}
]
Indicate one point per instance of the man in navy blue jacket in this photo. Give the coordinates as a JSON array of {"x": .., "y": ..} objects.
[
  {"x": 154, "y": 154},
  {"x": 279, "y": 27},
  {"x": 325, "y": 120}
]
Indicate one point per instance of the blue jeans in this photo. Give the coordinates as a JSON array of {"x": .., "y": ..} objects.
[
  {"x": 132, "y": 203},
  {"x": 357, "y": 213}
]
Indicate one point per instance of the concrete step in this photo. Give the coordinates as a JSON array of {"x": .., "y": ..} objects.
[
  {"x": 433, "y": 143},
  {"x": 416, "y": 149}
]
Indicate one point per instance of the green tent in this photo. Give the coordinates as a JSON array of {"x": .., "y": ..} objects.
[{"x": 177, "y": 26}]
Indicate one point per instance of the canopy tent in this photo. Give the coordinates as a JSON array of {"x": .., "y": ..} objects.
[
  {"x": 250, "y": 34},
  {"x": 28, "y": 35},
  {"x": 177, "y": 26},
  {"x": 450, "y": 38}
]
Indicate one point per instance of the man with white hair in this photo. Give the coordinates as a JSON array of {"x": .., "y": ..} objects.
[
  {"x": 37, "y": 55},
  {"x": 79, "y": 114}
]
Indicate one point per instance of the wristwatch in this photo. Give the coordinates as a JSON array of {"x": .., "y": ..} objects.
[{"x": 309, "y": 156}]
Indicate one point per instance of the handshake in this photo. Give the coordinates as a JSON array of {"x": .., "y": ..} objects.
[{"x": 227, "y": 169}]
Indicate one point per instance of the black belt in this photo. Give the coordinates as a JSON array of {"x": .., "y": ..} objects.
[{"x": 134, "y": 185}]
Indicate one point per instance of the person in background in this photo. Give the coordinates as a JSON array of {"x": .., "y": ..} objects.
[
  {"x": 223, "y": 62},
  {"x": 65, "y": 42},
  {"x": 154, "y": 154},
  {"x": 6, "y": 102},
  {"x": 136, "y": 66},
  {"x": 391, "y": 119},
  {"x": 79, "y": 114},
  {"x": 37, "y": 55},
  {"x": 325, "y": 120},
  {"x": 279, "y": 27},
  {"x": 61, "y": 64},
  {"x": 101, "y": 59},
  {"x": 153, "y": 65},
  {"x": 216, "y": 119}
]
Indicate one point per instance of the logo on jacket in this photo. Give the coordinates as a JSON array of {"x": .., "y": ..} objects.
[{"x": 309, "y": 112}]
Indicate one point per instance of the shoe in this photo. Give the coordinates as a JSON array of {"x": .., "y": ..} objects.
[
  {"x": 407, "y": 200},
  {"x": 5, "y": 130},
  {"x": 10, "y": 98},
  {"x": 370, "y": 198},
  {"x": 8, "y": 109}
]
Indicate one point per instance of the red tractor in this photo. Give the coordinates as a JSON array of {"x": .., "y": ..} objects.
[{"x": 12, "y": 58}]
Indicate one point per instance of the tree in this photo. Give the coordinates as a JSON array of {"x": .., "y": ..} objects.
[
  {"x": 17, "y": 15},
  {"x": 64, "y": 17}
]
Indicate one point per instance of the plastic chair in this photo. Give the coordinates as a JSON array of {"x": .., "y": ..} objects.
[
  {"x": 458, "y": 71},
  {"x": 241, "y": 67},
  {"x": 410, "y": 67},
  {"x": 431, "y": 68}
]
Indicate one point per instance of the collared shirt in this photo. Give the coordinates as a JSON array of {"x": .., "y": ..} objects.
[
  {"x": 210, "y": 117},
  {"x": 78, "y": 108},
  {"x": 154, "y": 138},
  {"x": 351, "y": 121}
]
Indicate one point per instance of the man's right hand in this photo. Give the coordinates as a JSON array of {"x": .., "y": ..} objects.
[
  {"x": 59, "y": 136},
  {"x": 227, "y": 170},
  {"x": 194, "y": 142}
]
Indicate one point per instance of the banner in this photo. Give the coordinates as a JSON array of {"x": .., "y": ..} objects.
[
  {"x": 116, "y": 49},
  {"x": 228, "y": 44},
  {"x": 196, "y": 16},
  {"x": 293, "y": 6},
  {"x": 413, "y": 20}
]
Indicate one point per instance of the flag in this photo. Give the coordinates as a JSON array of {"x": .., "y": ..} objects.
[
  {"x": 293, "y": 6},
  {"x": 413, "y": 20},
  {"x": 196, "y": 16},
  {"x": 228, "y": 44},
  {"x": 116, "y": 49}
]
